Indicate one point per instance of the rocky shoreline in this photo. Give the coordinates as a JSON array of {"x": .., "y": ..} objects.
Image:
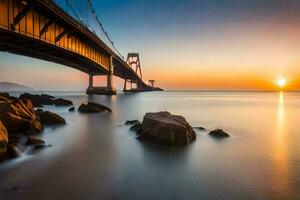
[{"x": 24, "y": 117}]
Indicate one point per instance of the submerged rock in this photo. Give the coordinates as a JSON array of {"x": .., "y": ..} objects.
[
  {"x": 91, "y": 107},
  {"x": 49, "y": 118},
  {"x": 165, "y": 128},
  {"x": 218, "y": 133},
  {"x": 135, "y": 127},
  {"x": 199, "y": 128},
  {"x": 72, "y": 109},
  {"x": 62, "y": 102},
  {"x": 3, "y": 140},
  {"x": 34, "y": 141},
  {"x": 132, "y": 122}
]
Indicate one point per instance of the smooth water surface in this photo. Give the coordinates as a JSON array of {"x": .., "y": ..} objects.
[{"x": 94, "y": 156}]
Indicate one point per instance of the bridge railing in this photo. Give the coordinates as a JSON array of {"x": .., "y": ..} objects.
[{"x": 36, "y": 25}]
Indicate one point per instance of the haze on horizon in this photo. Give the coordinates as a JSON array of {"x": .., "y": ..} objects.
[{"x": 189, "y": 44}]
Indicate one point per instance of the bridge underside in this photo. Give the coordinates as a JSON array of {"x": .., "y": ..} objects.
[
  {"x": 40, "y": 29},
  {"x": 27, "y": 46}
]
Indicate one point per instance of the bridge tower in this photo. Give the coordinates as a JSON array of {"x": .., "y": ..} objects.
[{"x": 133, "y": 60}]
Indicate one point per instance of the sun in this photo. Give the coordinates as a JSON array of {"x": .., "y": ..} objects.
[{"x": 281, "y": 82}]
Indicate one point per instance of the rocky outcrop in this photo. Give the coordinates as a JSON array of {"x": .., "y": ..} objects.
[
  {"x": 165, "y": 128},
  {"x": 91, "y": 107},
  {"x": 49, "y": 118},
  {"x": 18, "y": 116},
  {"x": 218, "y": 133},
  {"x": 44, "y": 99},
  {"x": 38, "y": 100},
  {"x": 3, "y": 140}
]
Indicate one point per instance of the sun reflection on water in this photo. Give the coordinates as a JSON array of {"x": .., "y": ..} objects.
[{"x": 280, "y": 150}]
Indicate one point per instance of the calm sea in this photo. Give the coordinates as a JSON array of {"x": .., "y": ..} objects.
[{"x": 95, "y": 156}]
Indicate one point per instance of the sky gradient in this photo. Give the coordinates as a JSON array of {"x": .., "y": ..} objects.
[{"x": 188, "y": 44}]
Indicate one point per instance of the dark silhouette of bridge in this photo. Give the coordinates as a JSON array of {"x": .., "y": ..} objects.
[{"x": 41, "y": 29}]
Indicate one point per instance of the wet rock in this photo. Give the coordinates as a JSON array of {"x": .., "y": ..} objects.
[
  {"x": 165, "y": 128},
  {"x": 38, "y": 100},
  {"x": 62, "y": 102},
  {"x": 132, "y": 122},
  {"x": 72, "y": 109},
  {"x": 14, "y": 150},
  {"x": 3, "y": 140},
  {"x": 19, "y": 116},
  {"x": 218, "y": 133},
  {"x": 91, "y": 107},
  {"x": 135, "y": 127},
  {"x": 34, "y": 141},
  {"x": 49, "y": 118}
]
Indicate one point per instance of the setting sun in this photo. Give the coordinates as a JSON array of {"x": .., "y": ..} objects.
[{"x": 281, "y": 82}]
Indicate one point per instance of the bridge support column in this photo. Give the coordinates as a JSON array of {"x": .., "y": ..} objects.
[
  {"x": 108, "y": 89},
  {"x": 91, "y": 81}
]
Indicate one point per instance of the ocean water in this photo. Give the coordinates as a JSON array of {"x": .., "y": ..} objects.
[{"x": 95, "y": 156}]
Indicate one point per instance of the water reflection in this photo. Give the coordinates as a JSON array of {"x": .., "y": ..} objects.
[{"x": 280, "y": 175}]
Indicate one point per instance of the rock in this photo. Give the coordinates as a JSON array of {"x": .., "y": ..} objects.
[
  {"x": 72, "y": 109},
  {"x": 135, "y": 127},
  {"x": 62, "y": 102},
  {"x": 91, "y": 107},
  {"x": 47, "y": 96},
  {"x": 3, "y": 140},
  {"x": 4, "y": 94},
  {"x": 34, "y": 141},
  {"x": 165, "y": 128},
  {"x": 38, "y": 100},
  {"x": 199, "y": 128},
  {"x": 13, "y": 150},
  {"x": 19, "y": 116},
  {"x": 40, "y": 146},
  {"x": 49, "y": 118},
  {"x": 218, "y": 133},
  {"x": 132, "y": 122}
]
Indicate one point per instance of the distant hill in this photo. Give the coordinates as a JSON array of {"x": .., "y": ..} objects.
[{"x": 9, "y": 86}]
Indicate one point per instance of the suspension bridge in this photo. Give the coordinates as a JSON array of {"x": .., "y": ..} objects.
[{"x": 69, "y": 33}]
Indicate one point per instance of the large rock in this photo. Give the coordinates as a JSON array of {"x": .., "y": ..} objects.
[
  {"x": 38, "y": 100},
  {"x": 3, "y": 140},
  {"x": 62, "y": 102},
  {"x": 49, "y": 118},
  {"x": 19, "y": 116},
  {"x": 165, "y": 128},
  {"x": 91, "y": 107},
  {"x": 218, "y": 133}
]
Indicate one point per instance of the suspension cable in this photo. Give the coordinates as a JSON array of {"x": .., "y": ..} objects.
[{"x": 102, "y": 28}]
